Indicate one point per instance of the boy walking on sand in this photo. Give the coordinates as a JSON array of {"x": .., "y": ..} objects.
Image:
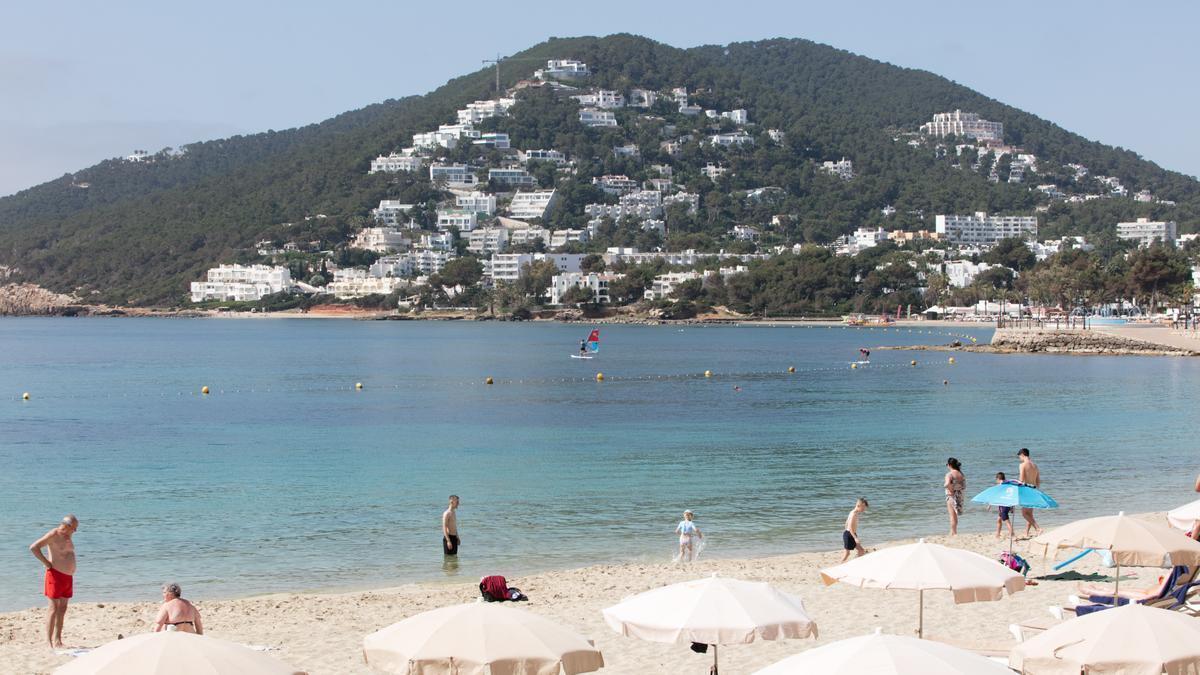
[
  {"x": 850, "y": 534},
  {"x": 1005, "y": 512}
]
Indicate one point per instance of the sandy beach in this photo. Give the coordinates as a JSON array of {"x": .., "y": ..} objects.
[{"x": 322, "y": 633}]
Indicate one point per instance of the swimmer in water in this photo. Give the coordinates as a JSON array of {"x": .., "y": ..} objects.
[{"x": 865, "y": 353}]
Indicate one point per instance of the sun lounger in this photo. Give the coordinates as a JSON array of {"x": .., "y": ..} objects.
[{"x": 1173, "y": 591}]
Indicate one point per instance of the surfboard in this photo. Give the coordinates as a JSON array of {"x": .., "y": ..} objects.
[
  {"x": 861, "y": 363},
  {"x": 577, "y": 356}
]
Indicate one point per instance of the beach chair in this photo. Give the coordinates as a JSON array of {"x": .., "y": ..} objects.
[{"x": 1177, "y": 582}]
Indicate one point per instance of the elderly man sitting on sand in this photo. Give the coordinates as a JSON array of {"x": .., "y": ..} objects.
[{"x": 177, "y": 613}]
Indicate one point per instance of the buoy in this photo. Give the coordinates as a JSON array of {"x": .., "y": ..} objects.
[
  {"x": 791, "y": 369},
  {"x": 945, "y": 382},
  {"x": 853, "y": 366},
  {"x": 358, "y": 385},
  {"x": 203, "y": 390},
  {"x": 951, "y": 359},
  {"x": 599, "y": 377},
  {"x": 25, "y": 396},
  {"x": 708, "y": 373},
  {"x": 972, "y": 339},
  {"x": 913, "y": 362},
  {"x": 488, "y": 381}
]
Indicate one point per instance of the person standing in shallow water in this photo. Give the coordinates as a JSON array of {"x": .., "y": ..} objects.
[
  {"x": 450, "y": 538},
  {"x": 60, "y": 573},
  {"x": 956, "y": 484}
]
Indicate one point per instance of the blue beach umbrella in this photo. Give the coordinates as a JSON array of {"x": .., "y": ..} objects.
[{"x": 1015, "y": 495}]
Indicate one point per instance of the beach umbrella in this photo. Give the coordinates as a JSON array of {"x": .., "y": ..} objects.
[
  {"x": 1184, "y": 517},
  {"x": 1015, "y": 495},
  {"x": 478, "y": 638},
  {"x": 1131, "y": 639},
  {"x": 1130, "y": 540},
  {"x": 175, "y": 653},
  {"x": 713, "y": 611},
  {"x": 880, "y": 654},
  {"x": 922, "y": 567}
]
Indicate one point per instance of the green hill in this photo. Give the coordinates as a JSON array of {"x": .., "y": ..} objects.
[{"x": 140, "y": 231}]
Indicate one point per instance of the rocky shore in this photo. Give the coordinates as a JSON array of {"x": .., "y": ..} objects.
[{"x": 1050, "y": 341}]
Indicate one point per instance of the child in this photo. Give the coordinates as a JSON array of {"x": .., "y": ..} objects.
[
  {"x": 850, "y": 534},
  {"x": 688, "y": 534},
  {"x": 1004, "y": 511}
]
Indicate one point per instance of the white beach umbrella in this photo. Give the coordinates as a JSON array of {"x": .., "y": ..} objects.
[
  {"x": 1184, "y": 517},
  {"x": 713, "y": 611},
  {"x": 1132, "y": 541},
  {"x": 1131, "y": 639},
  {"x": 922, "y": 567},
  {"x": 880, "y": 654},
  {"x": 480, "y": 638},
  {"x": 175, "y": 653}
]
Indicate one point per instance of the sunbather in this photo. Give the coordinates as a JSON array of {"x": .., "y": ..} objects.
[{"x": 1104, "y": 595}]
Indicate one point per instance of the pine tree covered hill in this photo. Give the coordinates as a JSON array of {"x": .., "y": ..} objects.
[{"x": 142, "y": 230}]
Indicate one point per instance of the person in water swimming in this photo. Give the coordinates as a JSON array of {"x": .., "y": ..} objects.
[
  {"x": 865, "y": 353},
  {"x": 177, "y": 613}
]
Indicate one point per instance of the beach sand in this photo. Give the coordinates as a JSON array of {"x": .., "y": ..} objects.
[{"x": 322, "y": 633}]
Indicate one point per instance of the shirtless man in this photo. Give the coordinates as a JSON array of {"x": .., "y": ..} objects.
[
  {"x": 60, "y": 573},
  {"x": 177, "y": 613},
  {"x": 850, "y": 541},
  {"x": 450, "y": 527},
  {"x": 1033, "y": 478}
]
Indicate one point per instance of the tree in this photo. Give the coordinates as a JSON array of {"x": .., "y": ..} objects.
[
  {"x": 592, "y": 262},
  {"x": 578, "y": 295},
  {"x": 465, "y": 272},
  {"x": 1159, "y": 271},
  {"x": 536, "y": 278},
  {"x": 1011, "y": 253}
]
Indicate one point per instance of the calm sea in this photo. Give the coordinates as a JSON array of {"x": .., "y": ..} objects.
[{"x": 287, "y": 478}]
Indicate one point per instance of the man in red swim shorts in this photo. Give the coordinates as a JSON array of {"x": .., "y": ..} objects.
[{"x": 60, "y": 573}]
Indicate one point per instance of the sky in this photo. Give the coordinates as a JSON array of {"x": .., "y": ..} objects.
[{"x": 84, "y": 81}]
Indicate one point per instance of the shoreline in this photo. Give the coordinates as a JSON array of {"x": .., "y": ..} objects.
[{"x": 321, "y": 632}]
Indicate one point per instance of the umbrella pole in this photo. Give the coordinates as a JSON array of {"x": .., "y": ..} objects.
[
  {"x": 714, "y": 668},
  {"x": 1117, "y": 587},
  {"x": 920, "y": 614}
]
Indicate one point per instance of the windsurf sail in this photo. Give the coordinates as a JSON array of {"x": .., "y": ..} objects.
[{"x": 593, "y": 341}]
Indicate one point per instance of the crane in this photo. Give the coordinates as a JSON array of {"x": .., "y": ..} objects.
[{"x": 499, "y": 58}]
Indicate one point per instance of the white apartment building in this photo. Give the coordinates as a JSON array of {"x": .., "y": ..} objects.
[
  {"x": 418, "y": 262},
  {"x": 615, "y": 185},
  {"x": 478, "y": 111},
  {"x": 961, "y": 273},
  {"x": 241, "y": 283},
  {"x": 660, "y": 185},
  {"x": 597, "y": 283},
  {"x": 493, "y": 140},
  {"x": 478, "y": 202},
  {"x": 465, "y": 221},
  {"x": 439, "y": 241},
  {"x": 690, "y": 110},
  {"x": 395, "y": 163},
  {"x": 487, "y": 240},
  {"x": 641, "y": 198},
  {"x": 619, "y": 211},
  {"x": 982, "y": 229},
  {"x": 535, "y": 204},
  {"x": 356, "y": 283},
  {"x": 1145, "y": 231},
  {"x": 664, "y": 285},
  {"x": 865, "y": 237},
  {"x": 713, "y": 171},
  {"x": 688, "y": 199},
  {"x": 736, "y": 138},
  {"x": 512, "y": 177},
  {"x": 560, "y": 238},
  {"x": 658, "y": 227},
  {"x": 380, "y": 239},
  {"x": 744, "y": 232},
  {"x": 555, "y": 156},
  {"x": 642, "y": 98},
  {"x": 528, "y": 235},
  {"x": 563, "y": 69},
  {"x": 507, "y": 266},
  {"x": 601, "y": 98},
  {"x": 453, "y": 175},
  {"x": 392, "y": 213},
  {"x": 597, "y": 118},
  {"x": 631, "y": 150},
  {"x": 959, "y": 123},
  {"x": 843, "y": 168},
  {"x": 739, "y": 116}
]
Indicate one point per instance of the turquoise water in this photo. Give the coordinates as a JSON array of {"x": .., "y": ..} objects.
[{"x": 286, "y": 478}]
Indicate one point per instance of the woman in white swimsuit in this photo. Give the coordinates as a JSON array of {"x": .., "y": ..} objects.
[{"x": 688, "y": 535}]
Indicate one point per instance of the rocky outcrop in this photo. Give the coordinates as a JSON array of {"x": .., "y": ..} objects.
[
  {"x": 1075, "y": 342},
  {"x": 31, "y": 300}
]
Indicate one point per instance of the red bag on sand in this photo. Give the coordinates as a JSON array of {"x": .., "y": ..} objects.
[{"x": 494, "y": 588}]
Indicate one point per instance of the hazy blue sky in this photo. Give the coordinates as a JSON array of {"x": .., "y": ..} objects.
[{"x": 83, "y": 81}]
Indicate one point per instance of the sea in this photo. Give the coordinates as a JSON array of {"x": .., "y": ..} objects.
[{"x": 288, "y": 477}]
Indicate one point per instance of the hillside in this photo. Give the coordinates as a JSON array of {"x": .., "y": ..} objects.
[{"x": 140, "y": 231}]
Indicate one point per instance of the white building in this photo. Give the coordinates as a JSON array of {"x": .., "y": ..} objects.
[
  {"x": 412, "y": 263},
  {"x": 487, "y": 240},
  {"x": 493, "y": 140},
  {"x": 961, "y": 273},
  {"x": 738, "y": 116},
  {"x": 380, "y": 239},
  {"x": 744, "y": 232},
  {"x": 507, "y": 266},
  {"x": 560, "y": 238},
  {"x": 642, "y": 98},
  {"x": 981, "y": 228},
  {"x": 865, "y": 237},
  {"x": 512, "y": 177},
  {"x": 541, "y": 156},
  {"x": 631, "y": 150},
  {"x": 601, "y": 98},
  {"x": 535, "y": 204},
  {"x": 736, "y": 138},
  {"x": 528, "y": 235},
  {"x": 453, "y": 175},
  {"x": 356, "y": 283},
  {"x": 688, "y": 199},
  {"x": 619, "y": 211},
  {"x": 437, "y": 241},
  {"x": 959, "y": 123},
  {"x": 395, "y": 163},
  {"x": 392, "y": 213},
  {"x": 597, "y": 118},
  {"x": 1145, "y": 231},
  {"x": 615, "y": 185},
  {"x": 597, "y": 283},
  {"x": 664, "y": 285},
  {"x": 563, "y": 69},
  {"x": 776, "y": 135},
  {"x": 478, "y": 202},
  {"x": 446, "y": 136},
  {"x": 241, "y": 283},
  {"x": 465, "y": 221},
  {"x": 843, "y": 169},
  {"x": 480, "y": 110},
  {"x": 713, "y": 171}
]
